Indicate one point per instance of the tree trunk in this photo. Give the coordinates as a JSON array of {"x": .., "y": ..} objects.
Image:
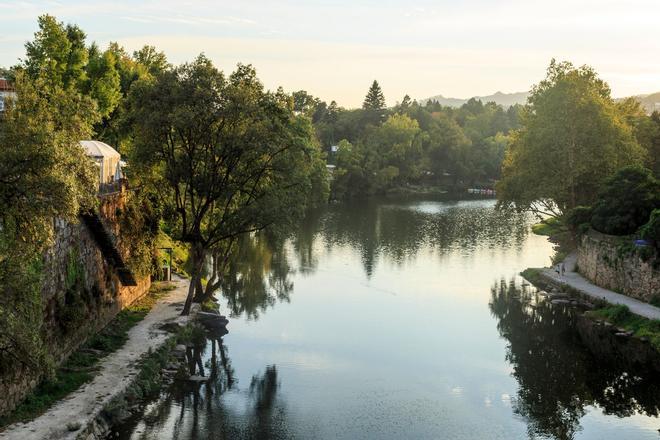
[{"x": 197, "y": 260}]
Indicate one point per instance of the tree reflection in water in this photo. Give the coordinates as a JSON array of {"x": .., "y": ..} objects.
[
  {"x": 200, "y": 410},
  {"x": 258, "y": 272},
  {"x": 557, "y": 377},
  {"x": 257, "y": 276},
  {"x": 397, "y": 232}
]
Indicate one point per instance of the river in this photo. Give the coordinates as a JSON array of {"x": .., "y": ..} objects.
[{"x": 399, "y": 320}]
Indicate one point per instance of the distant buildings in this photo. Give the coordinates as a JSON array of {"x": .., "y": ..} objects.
[{"x": 6, "y": 91}]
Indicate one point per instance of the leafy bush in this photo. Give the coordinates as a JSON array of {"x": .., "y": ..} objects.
[
  {"x": 626, "y": 201},
  {"x": 578, "y": 216},
  {"x": 651, "y": 230}
]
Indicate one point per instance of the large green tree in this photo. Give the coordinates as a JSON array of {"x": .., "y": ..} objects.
[
  {"x": 58, "y": 55},
  {"x": 228, "y": 157},
  {"x": 573, "y": 137}
]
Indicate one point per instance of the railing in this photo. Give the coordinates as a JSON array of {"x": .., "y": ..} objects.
[{"x": 117, "y": 186}]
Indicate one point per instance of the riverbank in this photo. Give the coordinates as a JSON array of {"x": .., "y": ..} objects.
[
  {"x": 574, "y": 280},
  {"x": 71, "y": 418},
  {"x": 616, "y": 327}
]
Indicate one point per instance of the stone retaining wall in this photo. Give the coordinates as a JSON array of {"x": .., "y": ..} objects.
[
  {"x": 101, "y": 293},
  {"x": 601, "y": 259}
]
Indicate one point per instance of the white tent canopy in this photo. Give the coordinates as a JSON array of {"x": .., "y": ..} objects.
[{"x": 107, "y": 158}]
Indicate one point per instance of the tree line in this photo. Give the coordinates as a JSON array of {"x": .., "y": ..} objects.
[{"x": 377, "y": 149}]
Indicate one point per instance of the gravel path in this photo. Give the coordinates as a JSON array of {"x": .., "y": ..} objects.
[
  {"x": 577, "y": 281},
  {"x": 115, "y": 373}
]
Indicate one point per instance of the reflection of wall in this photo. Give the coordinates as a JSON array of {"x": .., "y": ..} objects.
[
  {"x": 601, "y": 261},
  {"x": 103, "y": 296}
]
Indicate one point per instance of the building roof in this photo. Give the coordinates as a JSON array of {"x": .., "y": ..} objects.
[
  {"x": 99, "y": 149},
  {"x": 5, "y": 86}
]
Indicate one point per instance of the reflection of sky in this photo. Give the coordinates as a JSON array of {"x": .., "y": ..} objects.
[{"x": 411, "y": 351}]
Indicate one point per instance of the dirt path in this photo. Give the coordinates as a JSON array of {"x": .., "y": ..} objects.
[
  {"x": 577, "y": 281},
  {"x": 115, "y": 373}
]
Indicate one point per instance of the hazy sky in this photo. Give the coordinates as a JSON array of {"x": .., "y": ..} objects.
[{"x": 335, "y": 49}]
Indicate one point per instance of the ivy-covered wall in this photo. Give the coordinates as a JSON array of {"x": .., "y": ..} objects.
[
  {"x": 614, "y": 263},
  {"x": 80, "y": 292}
]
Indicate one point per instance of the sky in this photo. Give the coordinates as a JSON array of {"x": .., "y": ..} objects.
[{"x": 335, "y": 49}]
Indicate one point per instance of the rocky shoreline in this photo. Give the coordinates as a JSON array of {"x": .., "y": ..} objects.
[{"x": 605, "y": 340}]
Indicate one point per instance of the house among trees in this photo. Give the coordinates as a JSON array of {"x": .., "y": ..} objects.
[
  {"x": 6, "y": 90},
  {"x": 108, "y": 161}
]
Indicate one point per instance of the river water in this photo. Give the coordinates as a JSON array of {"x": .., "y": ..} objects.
[{"x": 399, "y": 320}]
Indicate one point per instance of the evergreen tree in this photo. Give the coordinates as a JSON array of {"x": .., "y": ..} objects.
[
  {"x": 405, "y": 103},
  {"x": 375, "y": 100}
]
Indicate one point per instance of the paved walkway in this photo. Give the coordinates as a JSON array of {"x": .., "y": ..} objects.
[
  {"x": 577, "y": 281},
  {"x": 115, "y": 374}
]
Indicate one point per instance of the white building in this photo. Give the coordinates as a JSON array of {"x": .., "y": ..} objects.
[{"x": 107, "y": 159}]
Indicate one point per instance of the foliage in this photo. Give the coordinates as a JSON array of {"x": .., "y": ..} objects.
[
  {"x": 44, "y": 174},
  {"x": 79, "y": 368},
  {"x": 58, "y": 55},
  {"x": 180, "y": 253},
  {"x": 626, "y": 201},
  {"x": 573, "y": 137},
  {"x": 139, "y": 224},
  {"x": 374, "y": 104},
  {"x": 578, "y": 217},
  {"x": 532, "y": 274},
  {"x": 621, "y": 316},
  {"x": 375, "y": 100},
  {"x": 651, "y": 230},
  {"x": 548, "y": 227},
  {"x": 411, "y": 145},
  {"x": 227, "y": 156}
]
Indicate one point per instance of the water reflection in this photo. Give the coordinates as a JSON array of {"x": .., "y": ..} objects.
[
  {"x": 215, "y": 408},
  {"x": 558, "y": 378},
  {"x": 259, "y": 273},
  {"x": 257, "y": 276},
  {"x": 323, "y": 365},
  {"x": 397, "y": 232}
]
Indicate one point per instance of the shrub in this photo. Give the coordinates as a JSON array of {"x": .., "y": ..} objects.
[
  {"x": 651, "y": 230},
  {"x": 626, "y": 201},
  {"x": 578, "y": 216}
]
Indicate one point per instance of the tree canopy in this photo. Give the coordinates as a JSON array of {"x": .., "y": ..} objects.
[
  {"x": 375, "y": 100},
  {"x": 626, "y": 201},
  {"x": 573, "y": 137},
  {"x": 227, "y": 156}
]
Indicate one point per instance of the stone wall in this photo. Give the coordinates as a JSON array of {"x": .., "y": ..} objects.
[
  {"x": 602, "y": 260},
  {"x": 70, "y": 318}
]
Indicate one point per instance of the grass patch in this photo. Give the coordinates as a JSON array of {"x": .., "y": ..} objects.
[
  {"x": 180, "y": 253},
  {"x": 532, "y": 274},
  {"x": 548, "y": 227},
  {"x": 210, "y": 306},
  {"x": 621, "y": 316},
  {"x": 81, "y": 366}
]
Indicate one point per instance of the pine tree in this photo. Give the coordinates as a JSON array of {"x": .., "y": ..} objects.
[
  {"x": 405, "y": 103},
  {"x": 374, "y": 99}
]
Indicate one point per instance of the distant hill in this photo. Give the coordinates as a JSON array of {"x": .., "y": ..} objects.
[
  {"x": 650, "y": 102},
  {"x": 504, "y": 99}
]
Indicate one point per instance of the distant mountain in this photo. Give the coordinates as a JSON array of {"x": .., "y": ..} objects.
[
  {"x": 504, "y": 99},
  {"x": 650, "y": 102}
]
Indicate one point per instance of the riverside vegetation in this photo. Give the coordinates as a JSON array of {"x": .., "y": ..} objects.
[{"x": 218, "y": 158}]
